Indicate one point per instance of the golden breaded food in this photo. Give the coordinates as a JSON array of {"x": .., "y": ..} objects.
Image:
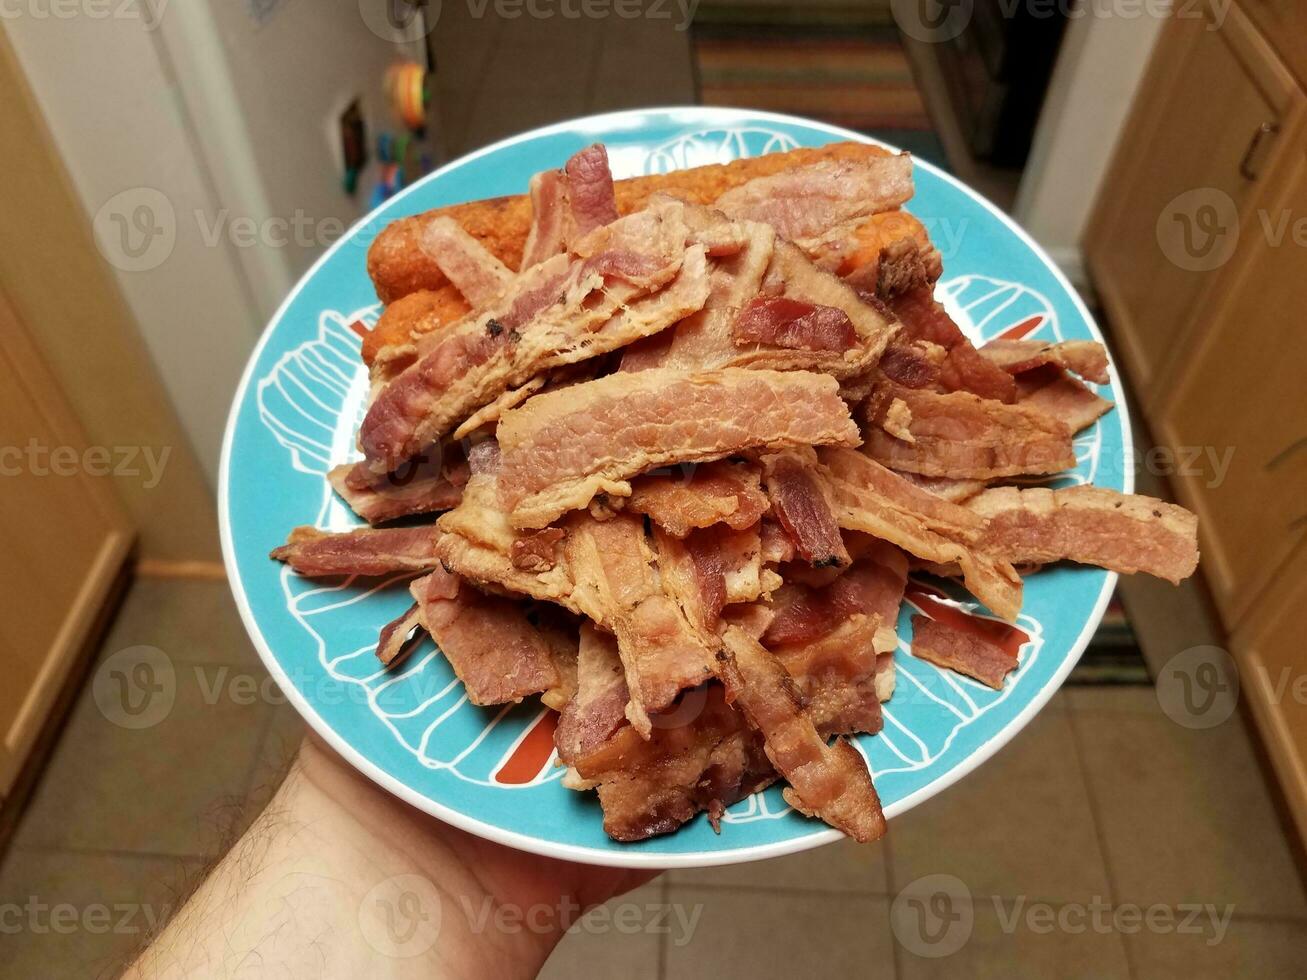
[
  {"x": 433, "y": 307},
  {"x": 398, "y": 265},
  {"x": 421, "y": 298}
]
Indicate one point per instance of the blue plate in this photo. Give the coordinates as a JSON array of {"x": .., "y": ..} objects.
[{"x": 489, "y": 771}]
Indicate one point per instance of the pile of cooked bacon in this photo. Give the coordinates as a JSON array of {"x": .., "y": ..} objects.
[{"x": 687, "y": 455}]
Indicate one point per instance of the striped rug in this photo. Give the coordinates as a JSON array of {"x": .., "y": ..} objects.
[
  {"x": 1113, "y": 655},
  {"x": 851, "y": 75}
]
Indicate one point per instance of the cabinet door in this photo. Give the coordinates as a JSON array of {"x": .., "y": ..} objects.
[
  {"x": 1271, "y": 652},
  {"x": 1178, "y": 182},
  {"x": 63, "y": 539},
  {"x": 1284, "y": 23},
  {"x": 1242, "y": 391}
]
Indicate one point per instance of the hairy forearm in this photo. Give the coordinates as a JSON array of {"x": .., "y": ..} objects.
[{"x": 338, "y": 879}]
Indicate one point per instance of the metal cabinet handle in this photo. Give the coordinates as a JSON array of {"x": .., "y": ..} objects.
[{"x": 1245, "y": 165}]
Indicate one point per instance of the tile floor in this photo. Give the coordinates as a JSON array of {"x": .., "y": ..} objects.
[
  {"x": 1101, "y": 803},
  {"x": 499, "y": 76}
]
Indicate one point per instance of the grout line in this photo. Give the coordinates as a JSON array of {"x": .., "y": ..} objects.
[
  {"x": 1095, "y": 817},
  {"x": 111, "y": 852},
  {"x": 181, "y": 570},
  {"x": 896, "y": 951},
  {"x": 664, "y": 896},
  {"x": 782, "y": 890}
]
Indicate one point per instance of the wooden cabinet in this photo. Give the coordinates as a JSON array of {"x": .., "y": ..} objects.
[
  {"x": 1199, "y": 252},
  {"x": 1206, "y": 118},
  {"x": 1284, "y": 23},
  {"x": 1240, "y": 394},
  {"x": 1271, "y": 651},
  {"x": 63, "y": 538}
]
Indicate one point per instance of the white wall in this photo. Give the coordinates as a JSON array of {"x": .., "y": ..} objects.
[
  {"x": 1098, "y": 70},
  {"x": 114, "y": 116},
  {"x": 205, "y": 116}
]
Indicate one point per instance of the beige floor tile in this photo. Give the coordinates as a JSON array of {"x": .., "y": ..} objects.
[
  {"x": 643, "y": 63},
  {"x": 1005, "y": 942},
  {"x": 843, "y": 867},
  {"x": 176, "y": 787},
  {"x": 553, "y": 70},
  {"x": 1185, "y": 814},
  {"x": 191, "y": 621},
  {"x": 1020, "y": 825},
  {"x": 82, "y": 915},
  {"x": 1133, "y": 698},
  {"x": 508, "y": 109},
  {"x": 619, "y": 940},
  {"x": 1247, "y": 949},
  {"x": 759, "y": 934}
]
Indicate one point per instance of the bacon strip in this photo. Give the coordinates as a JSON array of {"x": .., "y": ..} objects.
[
  {"x": 477, "y": 274},
  {"x": 962, "y": 436},
  {"x": 963, "y": 368},
  {"x": 618, "y": 586},
  {"x": 419, "y": 490},
  {"x": 965, "y": 651},
  {"x": 1052, "y": 391},
  {"x": 1090, "y": 525},
  {"x": 912, "y": 364},
  {"x": 803, "y": 510},
  {"x": 365, "y": 551},
  {"x": 490, "y": 414},
  {"x": 702, "y": 757},
  {"x": 496, "y": 652},
  {"x": 554, "y": 314},
  {"x": 598, "y": 709},
  {"x": 954, "y": 491},
  {"x": 839, "y": 675},
  {"x": 560, "y": 449},
  {"x": 548, "y": 217},
  {"x": 874, "y": 500},
  {"x": 397, "y": 638},
  {"x": 478, "y": 542},
  {"x": 828, "y": 781},
  {"x": 709, "y": 339},
  {"x": 795, "y": 324},
  {"x": 1086, "y": 358},
  {"x": 724, "y": 492},
  {"x": 897, "y": 265},
  {"x": 873, "y": 586},
  {"x": 809, "y": 201},
  {"x": 537, "y": 552},
  {"x": 704, "y": 340},
  {"x": 590, "y": 197}
]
